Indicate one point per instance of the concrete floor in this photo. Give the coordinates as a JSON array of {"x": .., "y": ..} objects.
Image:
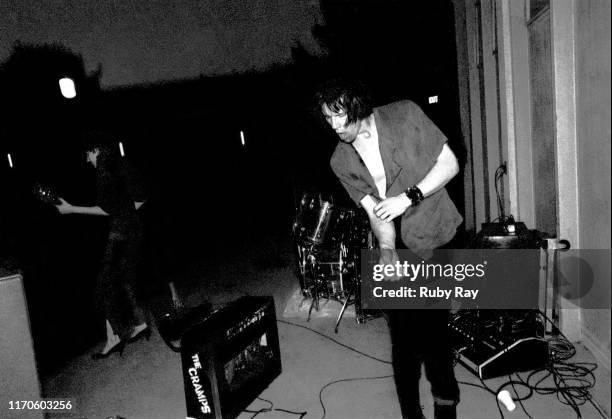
[{"x": 146, "y": 382}]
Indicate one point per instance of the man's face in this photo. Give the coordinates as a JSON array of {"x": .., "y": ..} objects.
[
  {"x": 92, "y": 157},
  {"x": 338, "y": 122}
]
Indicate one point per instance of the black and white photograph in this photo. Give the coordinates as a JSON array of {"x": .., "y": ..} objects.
[{"x": 318, "y": 209}]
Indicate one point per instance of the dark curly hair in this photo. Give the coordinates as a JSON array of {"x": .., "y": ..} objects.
[{"x": 345, "y": 95}]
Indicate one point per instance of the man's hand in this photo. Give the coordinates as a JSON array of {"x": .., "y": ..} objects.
[
  {"x": 177, "y": 303},
  {"x": 64, "y": 207},
  {"x": 391, "y": 208}
]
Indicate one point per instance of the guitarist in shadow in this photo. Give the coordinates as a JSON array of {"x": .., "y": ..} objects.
[{"x": 116, "y": 198}]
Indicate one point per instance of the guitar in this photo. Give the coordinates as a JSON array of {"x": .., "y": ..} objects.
[{"x": 45, "y": 194}]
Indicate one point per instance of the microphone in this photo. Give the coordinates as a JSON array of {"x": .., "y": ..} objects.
[{"x": 506, "y": 399}]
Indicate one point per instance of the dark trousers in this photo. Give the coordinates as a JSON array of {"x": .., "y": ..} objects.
[
  {"x": 116, "y": 294},
  {"x": 421, "y": 337}
]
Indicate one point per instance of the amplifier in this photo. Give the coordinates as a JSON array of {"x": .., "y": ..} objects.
[
  {"x": 17, "y": 359},
  {"x": 507, "y": 235},
  {"x": 230, "y": 357},
  {"x": 491, "y": 343}
]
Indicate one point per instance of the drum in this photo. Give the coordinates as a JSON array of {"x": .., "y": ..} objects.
[
  {"x": 326, "y": 272},
  {"x": 320, "y": 222},
  {"x": 357, "y": 231}
]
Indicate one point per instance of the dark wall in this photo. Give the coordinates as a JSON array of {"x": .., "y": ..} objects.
[{"x": 141, "y": 42}]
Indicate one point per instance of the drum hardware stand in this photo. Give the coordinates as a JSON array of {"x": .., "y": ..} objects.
[
  {"x": 360, "y": 316},
  {"x": 354, "y": 297},
  {"x": 309, "y": 260},
  {"x": 316, "y": 285},
  {"x": 304, "y": 253},
  {"x": 349, "y": 299},
  {"x": 315, "y": 291}
]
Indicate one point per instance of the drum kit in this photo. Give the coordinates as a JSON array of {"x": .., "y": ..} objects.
[{"x": 328, "y": 240}]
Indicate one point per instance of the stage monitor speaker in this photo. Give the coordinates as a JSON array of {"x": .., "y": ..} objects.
[
  {"x": 230, "y": 357},
  {"x": 19, "y": 376}
]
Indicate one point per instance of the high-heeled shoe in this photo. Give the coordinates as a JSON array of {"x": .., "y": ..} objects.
[
  {"x": 144, "y": 333},
  {"x": 117, "y": 348}
]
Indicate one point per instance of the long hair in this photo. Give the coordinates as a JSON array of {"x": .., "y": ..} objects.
[
  {"x": 109, "y": 162},
  {"x": 345, "y": 95}
]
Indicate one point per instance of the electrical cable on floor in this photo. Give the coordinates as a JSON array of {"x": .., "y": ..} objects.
[
  {"x": 483, "y": 386},
  {"x": 346, "y": 347},
  {"x": 302, "y": 414},
  {"x": 345, "y": 380},
  {"x": 575, "y": 394},
  {"x": 272, "y": 408},
  {"x": 601, "y": 412},
  {"x": 560, "y": 348},
  {"x": 580, "y": 375},
  {"x": 486, "y": 387},
  {"x": 520, "y": 399},
  {"x": 350, "y": 348},
  {"x": 572, "y": 382}
]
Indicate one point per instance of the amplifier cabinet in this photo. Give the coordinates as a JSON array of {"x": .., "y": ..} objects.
[
  {"x": 18, "y": 371},
  {"x": 230, "y": 357}
]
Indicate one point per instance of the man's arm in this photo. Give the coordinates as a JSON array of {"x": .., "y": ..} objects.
[
  {"x": 384, "y": 231},
  {"x": 445, "y": 168},
  {"x": 67, "y": 208}
]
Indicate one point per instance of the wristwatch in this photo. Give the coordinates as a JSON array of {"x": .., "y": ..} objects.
[{"x": 415, "y": 195}]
